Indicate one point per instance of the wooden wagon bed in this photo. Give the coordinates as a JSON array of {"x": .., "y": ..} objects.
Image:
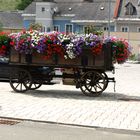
[{"x": 86, "y": 60}]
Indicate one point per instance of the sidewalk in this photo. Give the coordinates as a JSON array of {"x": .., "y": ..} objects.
[{"x": 67, "y": 105}]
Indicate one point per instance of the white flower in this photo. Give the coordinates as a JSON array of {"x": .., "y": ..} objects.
[{"x": 70, "y": 51}]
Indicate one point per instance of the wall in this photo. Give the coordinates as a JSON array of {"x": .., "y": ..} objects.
[
  {"x": 132, "y": 26},
  {"x": 26, "y": 23},
  {"x": 45, "y": 17},
  {"x": 62, "y": 22},
  {"x": 11, "y": 30}
]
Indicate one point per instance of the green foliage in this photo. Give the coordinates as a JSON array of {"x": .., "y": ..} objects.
[
  {"x": 94, "y": 30},
  {"x": 133, "y": 57},
  {"x": 8, "y": 4},
  {"x": 23, "y": 4},
  {"x": 35, "y": 26},
  {"x": 4, "y": 40},
  {"x": 4, "y": 44}
]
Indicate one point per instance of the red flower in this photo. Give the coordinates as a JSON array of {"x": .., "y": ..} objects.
[
  {"x": 12, "y": 43},
  {"x": 97, "y": 49},
  {"x": 3, "y": 47},
  {"x": 2, "y": 51}
]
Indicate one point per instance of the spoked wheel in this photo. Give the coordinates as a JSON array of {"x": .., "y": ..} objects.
[
  {"x": 106, "y": 79},
  {"x": 20, "y": 80},
  {"x": 92, "y": 83},
  {"x": 36, "y": 84}
]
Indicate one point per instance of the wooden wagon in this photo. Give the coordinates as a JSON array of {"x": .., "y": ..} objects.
[{"x": 87, "y": 72}]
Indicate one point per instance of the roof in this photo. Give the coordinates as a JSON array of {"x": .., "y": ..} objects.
[
  {"x": 12, "y": 20},
  {"x": 31, "y": 9},
  {"x": 96, "y": 10},
  {"x": 81, "y": 9}
]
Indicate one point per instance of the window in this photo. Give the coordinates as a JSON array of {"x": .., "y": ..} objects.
[
  {"x": 130, "y": 9},
  {"x": 88, "y": 29},
  {"x": 56, "y": 28},
  {"x": 138, "y": 29},
  {"x": 138, "y": 2},
  {"x": 105, "y": 28},
  {"x": 79, "y": 29},
  {"x": 43, "y": 29},
  {"x": 43, "y": 9},
  {"x": 124, "y": 29},
  {"x": 68, "y": 28},
  {"x": 48, "y": 29}
]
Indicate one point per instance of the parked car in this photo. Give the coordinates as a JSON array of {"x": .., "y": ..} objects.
[{"x": 4, "y": 69}]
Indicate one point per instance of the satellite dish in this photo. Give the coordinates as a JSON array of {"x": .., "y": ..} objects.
[{"x": 56, "y": 10}]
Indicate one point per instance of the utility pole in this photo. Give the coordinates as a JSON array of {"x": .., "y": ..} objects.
[{"x": 109, "y": 16}]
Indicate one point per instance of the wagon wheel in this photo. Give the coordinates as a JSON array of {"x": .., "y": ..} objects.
[
  {"x": 20, "y": 80},
  {"x": 36, "y": 84},
  {"x": 106, "y": 79},
  {"x": 92, "y": 83}
]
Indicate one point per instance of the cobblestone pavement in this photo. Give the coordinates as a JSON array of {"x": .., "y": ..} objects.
[{"x": 66, "y": 104}]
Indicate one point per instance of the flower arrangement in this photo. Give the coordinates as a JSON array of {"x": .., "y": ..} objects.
[
  {"x": 121, "y": 49},
  {"x": 94, "y": 42},
  {"x": 73, "y": 45},
  {"x": 22, "y": 42},
  {"x": 74, "y": 49},
  {"x": 4, "y": 44},
  {"x": 68, "y": 46},
  {"x": 49, "y": 44}
]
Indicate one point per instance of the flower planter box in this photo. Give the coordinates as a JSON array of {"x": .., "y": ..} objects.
[
  {"x": 35, "y": 58},
  {"x": 86, "y": 59},
  {"x": 38, "y": 59},
  {"x": 14, "y": 56},
  {"x": 63, "y": 61}
]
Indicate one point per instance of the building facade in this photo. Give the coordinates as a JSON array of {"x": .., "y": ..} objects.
[
  {"x": 119, "y": 18},
  {"x": 71, "y": 15},
  {"x": 75, "y": 15}
]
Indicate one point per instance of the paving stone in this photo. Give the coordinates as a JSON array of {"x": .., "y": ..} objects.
[{"x": 65, "y": 104}]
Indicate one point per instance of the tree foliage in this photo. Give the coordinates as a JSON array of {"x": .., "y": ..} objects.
[
  {"x": 94, "y": 30},
  {"x": 35, "y": 26},
  {"x": 23, "y": 4}
]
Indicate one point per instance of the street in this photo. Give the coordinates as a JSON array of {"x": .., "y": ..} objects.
[
  {"x": 26, "y": 130},
  {"x": 65, "y": 104}
]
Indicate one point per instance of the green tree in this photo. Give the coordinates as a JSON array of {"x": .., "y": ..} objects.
[
  {"x": 94, "y": 30},
  {"x": 35, "y": 26},
  {"x": 23, "y": 4}
]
